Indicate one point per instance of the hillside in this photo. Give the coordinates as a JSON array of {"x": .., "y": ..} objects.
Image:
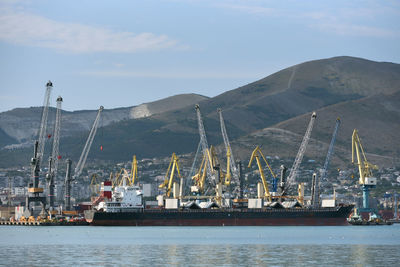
[
  {"x": 272, "y": 112},
  {"x": 303, "y": 88},
  {"x": 22, "y": 124},
  {"x": 376, "y": 118}
]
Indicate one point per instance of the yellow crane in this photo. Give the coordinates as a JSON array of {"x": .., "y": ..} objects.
[
  {"x": 134, "y": 171},
  {"x": 169, "y": 176},
  {"x": 209, "y": 160},
  {"x": 124, "y": 178},
  {"x": 228, "y": 175},
  {"x": 364, "y": 167},
  {"x": 94, "y": 185},
  {"x": 256, "y": 154},
  {"x": 117, "y": 178}
]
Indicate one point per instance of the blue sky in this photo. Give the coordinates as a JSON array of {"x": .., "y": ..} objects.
[{"x": 124, "y": 53}]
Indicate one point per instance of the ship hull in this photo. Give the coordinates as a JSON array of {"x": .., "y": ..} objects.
[{"x": 253, "y": 217}]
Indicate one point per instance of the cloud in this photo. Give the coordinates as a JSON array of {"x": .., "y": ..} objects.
[{"x": 33, "y": 30}]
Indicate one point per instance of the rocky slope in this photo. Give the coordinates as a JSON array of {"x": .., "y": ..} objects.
[{"x": 21, "y": 124}]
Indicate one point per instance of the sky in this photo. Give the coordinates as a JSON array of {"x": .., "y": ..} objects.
[{"x": 124, "y": 53}]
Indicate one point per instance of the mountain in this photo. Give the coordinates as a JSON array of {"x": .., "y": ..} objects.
[
  {"x": 376, "y": 118},
  {"x": 273, "y": 112},
  {"x": 22, "y": 124}
]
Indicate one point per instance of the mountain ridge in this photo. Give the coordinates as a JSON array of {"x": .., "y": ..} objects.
[{"x": 340, "y": 86}]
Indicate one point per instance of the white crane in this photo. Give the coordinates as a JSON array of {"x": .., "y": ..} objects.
[
  {"x": 315, "y": 196},
  {"x": 300, "y": 154},
  {"x": 55, "y": 157},
  {"x": 43, "y": 124},
  {"x": 230, "y": 159},
  {"x": 55, "y": 154},
  {"x": 34, "y": 191},
  {"x": 82, "y": 160},
  {"x": 203, "y": 141}
]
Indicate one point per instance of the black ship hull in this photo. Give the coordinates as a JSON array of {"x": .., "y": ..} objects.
[{"x": 229, "y": 217}]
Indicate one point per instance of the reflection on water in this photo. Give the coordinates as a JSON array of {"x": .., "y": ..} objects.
[
  {"x": 201, "y": 255},
  {"x": 200, "y": 246}
]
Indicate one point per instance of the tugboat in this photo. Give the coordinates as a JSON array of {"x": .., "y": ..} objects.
[{"x": 356, "y": 219}]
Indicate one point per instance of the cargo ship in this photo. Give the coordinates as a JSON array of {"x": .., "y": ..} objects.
[{"x": 125, "y": 208}]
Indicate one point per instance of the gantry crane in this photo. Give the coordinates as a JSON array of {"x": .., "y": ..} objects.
[
  {"x": 230, "y": 160},
  {"x": 169, "y": 176},
  {"x": 364, "y": 167},
  {"x": 34, "y": 191},
  {"x": 55, "y": 156},
  {"x": 316, "y": 185},
  {"x": 82, "y": 160},
  {"x": 256, "y": 154},
  {"x": 300, "y": 154}
]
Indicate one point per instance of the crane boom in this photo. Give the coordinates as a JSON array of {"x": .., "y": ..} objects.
[
  {"x": 326, "y": 165},
  {"x": 43, "y": 124},
  {"x": 54, "y": 158},
  {"x": 231, "y": 165},
  {"x": 199, "y": 178},
  {"x": 169, "y": 176},
  {"x": 88, "y": 144},
  {"x": 192, "y": 169},
  {"x": 56, "y": 137},
  {"x": 256, "y": 154},
  {"x": 300, "y": 154},
  {"x": 134, "y": 170},
  {"x": 203, "y": 141},
  {"x": 364, "y": 167}
]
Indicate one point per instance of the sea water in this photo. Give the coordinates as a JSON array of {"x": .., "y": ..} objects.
[{"x": 200, "y": 246}]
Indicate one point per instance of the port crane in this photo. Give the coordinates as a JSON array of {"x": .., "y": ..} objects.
[
  {"x": 134, "y": 171},
  {"x": 209, "y": 159},
  {"x": 55, "y": 155},
  {"x": 230, "y": 160},
  {"x": 124, "y": 177},
  {"x": 118, "y": 177},
  {"x": 366, "y": 180},
  {"x": 256, "y": 155},
  {"x": 82, "y": 160},
  {"x": 43, "y": 124},
  {"x": 300, "y": 154},
  {"x": 94, "y": 185},
  {"x": 203, "y": 147},
  {"x": 316, "y": 181},
  {"x": 169, "y": 176},
  {"x": 203, "y": 140},
  {"x": 34, "y": 191}
]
